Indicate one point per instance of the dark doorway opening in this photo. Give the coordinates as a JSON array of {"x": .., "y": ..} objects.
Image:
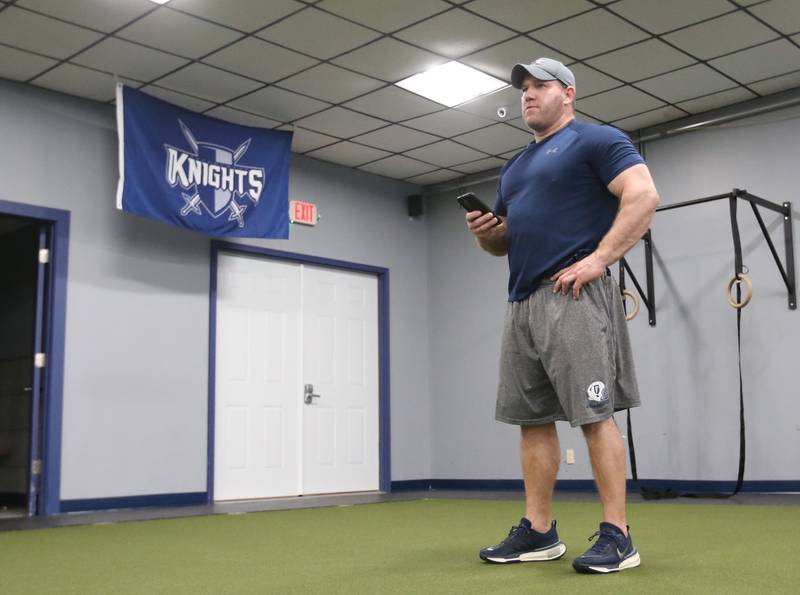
[{"x": 19, "y": 255}]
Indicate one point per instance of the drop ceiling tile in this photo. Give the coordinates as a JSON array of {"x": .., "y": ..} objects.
[
  {"x": 586, "y": 117},
  {"x": 521, "y": 16},
  {"x": 652, "y": 118},
  {"x": 331, "y": 83},
  {"x": 721, "y": 35},
  {"x": 498, "y": 60},
  {"x": 245, "y": 15},
  {"x": 279, "y": 104},
  {"x": 20, "y": 66},
  {"x": 317, "y": 33},
  {"x": 307, "y": 140},
  {"x": 716, "y": 100},
  {"x": 396, "y": 138},
  {"x": 178, "y": 33},
  {"x": 618, "y": 103},
  {"x": 194, "y": 104},
  {"x": 124, "y": 58},
  {"x": 486, "y": 106},
  {"x": 435, "y": 177},
  {"x": 771, "y": 59},
  {"x": 480, "y": 165},
  {"x": 641, "y": 60},
  {"x": 43, "y": 35},
  {"x": 658, "y": 16},
  {"x": 341, "y": 122},
  {"x": 589, "y": 81},
  {"x": 398, "y": 167},
  {"x": 79, "y": 81},
  {"x": 445, "y": 153},
  {"x": 496, "y": 139},
  {"x": 394, "y": 104},
  {"x": 208, "y": 83},
  {"x": 389, "y": 60},
  {"x": 686, "y": 83},
  {"x": 386, "y": 15},
  {"x": 776, "y": 84},
  {"x": 784, "y": 15},
  {"x": 96, "y": 14},
  {"x": 260, "y": 60},
  {"x": 239, "y": 117},
  {"x": 347, "y": 153},
  {"x": 608, "y": 32},
  {"x": 448, "y": 123},
  {"x": 455, "y": 33}
]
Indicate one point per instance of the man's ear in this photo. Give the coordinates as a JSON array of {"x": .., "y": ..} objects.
[{"x": 570, "y": 95}]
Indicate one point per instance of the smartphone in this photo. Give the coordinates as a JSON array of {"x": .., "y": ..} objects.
[{"x": 470, "y": 202}]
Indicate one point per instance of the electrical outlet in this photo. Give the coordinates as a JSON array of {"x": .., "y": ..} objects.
[{"x": 570, "y": 456}]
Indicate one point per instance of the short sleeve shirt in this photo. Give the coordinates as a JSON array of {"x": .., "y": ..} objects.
[{"x": 556, "y": 199}]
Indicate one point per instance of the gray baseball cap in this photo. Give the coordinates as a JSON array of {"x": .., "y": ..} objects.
[{"x": 544, "y": 69}]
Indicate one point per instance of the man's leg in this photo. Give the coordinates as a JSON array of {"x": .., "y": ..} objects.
[
  {"x": 540, "y": 456},
  {"x": 614, "y": 550},
  {"x": 535, "y": 539},
  {"x": 607, "y": 454}
]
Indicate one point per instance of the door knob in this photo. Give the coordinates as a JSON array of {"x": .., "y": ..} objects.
[{"x": 308, "y": 394}]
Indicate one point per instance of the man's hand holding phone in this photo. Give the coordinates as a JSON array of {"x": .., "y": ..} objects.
[{"x": 489, "y": 229}]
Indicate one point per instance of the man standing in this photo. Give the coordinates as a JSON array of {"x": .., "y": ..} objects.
[{"x": 570, "y": 204}]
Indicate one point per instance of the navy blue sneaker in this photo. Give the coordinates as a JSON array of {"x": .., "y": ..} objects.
[
  {"x": 524, "y": 544},
  {"x": 611, "y": 552}
]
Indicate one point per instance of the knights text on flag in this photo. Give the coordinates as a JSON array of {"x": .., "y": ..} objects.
[{"x": 201, "y": 173}]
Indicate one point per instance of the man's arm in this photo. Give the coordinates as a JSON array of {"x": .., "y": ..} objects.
[
  {"x": 490, "y": 235},
  {"x": 638, "y": 200}
]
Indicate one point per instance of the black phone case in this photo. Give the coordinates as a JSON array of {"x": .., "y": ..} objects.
[{"x": 470, "y": 202}]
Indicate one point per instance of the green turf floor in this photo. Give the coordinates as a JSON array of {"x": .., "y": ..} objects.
[{"x": 419, "y": 547}]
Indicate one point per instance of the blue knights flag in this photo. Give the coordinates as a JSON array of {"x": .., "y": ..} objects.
[{"x": 201, "y": 173}]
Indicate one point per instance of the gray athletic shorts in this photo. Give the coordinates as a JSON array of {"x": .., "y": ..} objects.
[{"x": 566, "y": 359}]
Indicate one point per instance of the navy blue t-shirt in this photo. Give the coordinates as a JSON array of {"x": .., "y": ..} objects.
[{"x": 555, "y": 196}]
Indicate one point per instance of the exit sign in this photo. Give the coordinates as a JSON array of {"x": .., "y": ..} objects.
[{"x": 304, "y": 213}]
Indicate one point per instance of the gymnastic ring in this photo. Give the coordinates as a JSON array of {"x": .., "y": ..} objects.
[
  {"x": 739, "y": 278},
  {"x": 629, "y": 293}
]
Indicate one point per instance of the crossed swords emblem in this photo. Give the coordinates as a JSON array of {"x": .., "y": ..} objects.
[{"x": 192, "y": 203}]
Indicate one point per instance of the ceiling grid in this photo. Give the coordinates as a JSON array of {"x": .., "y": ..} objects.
[{"x": 327, "y": 68}]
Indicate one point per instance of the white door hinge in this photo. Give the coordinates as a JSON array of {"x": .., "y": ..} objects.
[
  {"x": 39, "y": 360},
  {"x": 44, "y": 256},
  {"x": 36, "y": 467}
]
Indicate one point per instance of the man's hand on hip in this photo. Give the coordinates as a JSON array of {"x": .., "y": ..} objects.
[{"x": 579, "y": 274}]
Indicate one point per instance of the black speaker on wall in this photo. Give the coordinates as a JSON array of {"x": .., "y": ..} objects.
[{"x": 414, "y": 205}]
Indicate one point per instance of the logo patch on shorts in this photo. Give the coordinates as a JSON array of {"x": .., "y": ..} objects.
[{"x": 598, "y": 394}]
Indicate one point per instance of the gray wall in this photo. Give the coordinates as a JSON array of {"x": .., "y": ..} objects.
[
  {"x": 137, "y": 308},
  {"x": 136, "y": 384},
  {"x": 687, "y": 365}
]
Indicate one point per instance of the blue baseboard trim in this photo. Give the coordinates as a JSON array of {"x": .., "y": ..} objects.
[
  {"x": 155, "y": 500},
  {"x": 708, "y": 487},
  {"x": 415, "y": 485},
  {"x": 587, "y": 485}
]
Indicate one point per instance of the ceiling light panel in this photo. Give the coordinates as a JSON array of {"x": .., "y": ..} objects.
[{"x": 451, "y": 83}]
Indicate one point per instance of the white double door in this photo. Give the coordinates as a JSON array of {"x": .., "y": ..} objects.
[{"x": 281, "y": 327}]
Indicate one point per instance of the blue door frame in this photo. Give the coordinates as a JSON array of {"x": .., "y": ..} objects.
[
  {"x": 55, "y": 304},
  {"x": 384, "y": 426}
]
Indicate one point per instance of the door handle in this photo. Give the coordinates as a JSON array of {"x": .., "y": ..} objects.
[{"x": 308, "y": 394}]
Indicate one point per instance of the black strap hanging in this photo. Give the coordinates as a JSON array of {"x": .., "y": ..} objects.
[{"x": 656, "y": 494}]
